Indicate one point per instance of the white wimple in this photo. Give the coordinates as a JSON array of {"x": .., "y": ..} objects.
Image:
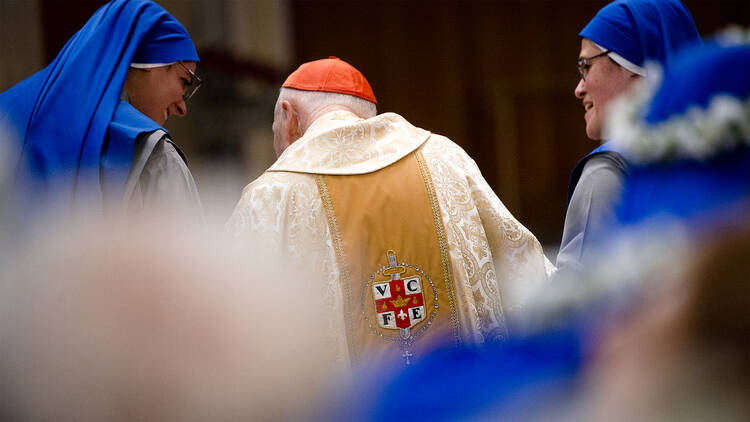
[{"x": 697, "y": 133}]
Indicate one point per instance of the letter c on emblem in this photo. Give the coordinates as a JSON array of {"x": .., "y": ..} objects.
[{"x": 408, "y": 285}]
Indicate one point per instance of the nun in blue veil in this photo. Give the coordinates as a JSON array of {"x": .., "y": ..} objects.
[
  {"x": 640, "y": 37},
  {"x": 79, "y": 143}
]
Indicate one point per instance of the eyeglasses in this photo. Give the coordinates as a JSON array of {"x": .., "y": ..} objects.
[
  {"x": 191, "y": 87},
  {"x": 584, "y": 64}
]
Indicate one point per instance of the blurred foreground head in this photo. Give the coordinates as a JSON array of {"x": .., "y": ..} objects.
[
  {"x": 690, "y": 138},
  {"x": 683, "y": 353},
  {"x": 121, "y": 321}
]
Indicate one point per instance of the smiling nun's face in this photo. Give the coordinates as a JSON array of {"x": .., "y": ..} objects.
[
  {"x": 158, "y": 92},
  {"x": 605, "y": 80}
]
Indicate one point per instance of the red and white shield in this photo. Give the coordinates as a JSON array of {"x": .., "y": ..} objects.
[{"x": 399, "y": 303}]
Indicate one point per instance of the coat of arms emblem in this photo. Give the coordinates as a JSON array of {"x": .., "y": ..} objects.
[
  {"x": 402, "y": 306},
  {"x": 399, "y": 302}
]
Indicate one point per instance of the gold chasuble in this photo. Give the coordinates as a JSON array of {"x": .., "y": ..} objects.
[
  {"x": 396, "y": 274},
  {"x": 414, "y": 248}
]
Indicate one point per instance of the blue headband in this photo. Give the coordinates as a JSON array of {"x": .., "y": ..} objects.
[
  {"x": 643, "y": 30},
  {"x": 62, "y": 113}
]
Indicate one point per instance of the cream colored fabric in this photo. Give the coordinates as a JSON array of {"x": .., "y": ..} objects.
[
  {"x": 496, "y": 260},
  {"x": 284, "y": 212},
  {"x": 342, "y": 143},
  {"x": 493, "y": 257}
]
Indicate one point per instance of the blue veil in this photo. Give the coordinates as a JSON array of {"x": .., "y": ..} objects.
[
  {"x": 643, "y": 30},
  {"x": 62, "y": 115},
  {"x": 640, "y": 31}
]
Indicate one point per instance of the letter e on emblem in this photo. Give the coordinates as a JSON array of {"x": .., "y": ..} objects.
[{"x": 417, "y": 313}]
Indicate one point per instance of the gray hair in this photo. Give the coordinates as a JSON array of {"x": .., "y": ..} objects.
[{"x": 311, "y": 101}]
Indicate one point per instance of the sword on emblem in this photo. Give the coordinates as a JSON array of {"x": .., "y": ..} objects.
[{"x": 395, "y": 272}]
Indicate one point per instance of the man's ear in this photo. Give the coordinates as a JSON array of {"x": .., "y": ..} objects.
[{"x": 291, "y": 121}]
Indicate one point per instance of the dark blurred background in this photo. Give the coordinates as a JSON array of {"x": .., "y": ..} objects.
[{"x": 497, "y": 77}]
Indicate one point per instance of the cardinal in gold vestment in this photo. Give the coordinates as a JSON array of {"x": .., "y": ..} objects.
[{"x": 408, "y": 243}]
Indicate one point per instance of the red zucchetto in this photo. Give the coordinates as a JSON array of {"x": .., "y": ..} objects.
[{"x": 331, "y": 75}]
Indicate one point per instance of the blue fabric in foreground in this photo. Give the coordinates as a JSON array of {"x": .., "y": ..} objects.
[
  {"x": 62, "y": 114},
  {"x": 642, "y": 30},
  {"x": 688, "y": 190},
  {"x": 456, "y": 384}
]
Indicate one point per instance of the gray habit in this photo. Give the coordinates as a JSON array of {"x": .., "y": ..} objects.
[
  {"x": 592, "y": 208},
  {"x": 160, "y": 179}
]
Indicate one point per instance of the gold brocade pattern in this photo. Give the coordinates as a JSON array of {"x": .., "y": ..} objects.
[
  {"x": 495, "y": 250},
  {"x": 343, "y": 144},
  {"x": 393, "y": 209},
  {"x": 338, "y": 247},
  {"x": 447, "y": 272}
]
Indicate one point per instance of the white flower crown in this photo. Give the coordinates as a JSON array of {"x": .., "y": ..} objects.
[{"x": 698, "y": 133}]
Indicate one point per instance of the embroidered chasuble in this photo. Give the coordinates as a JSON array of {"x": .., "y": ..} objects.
[
  {"x": 412, "y": 247},
  {"x": 396, "y": 273}
]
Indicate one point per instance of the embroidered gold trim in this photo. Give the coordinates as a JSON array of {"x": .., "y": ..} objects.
[
  {"x": 338, "y": 247},
  {"x": 447, "y": 271}
]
